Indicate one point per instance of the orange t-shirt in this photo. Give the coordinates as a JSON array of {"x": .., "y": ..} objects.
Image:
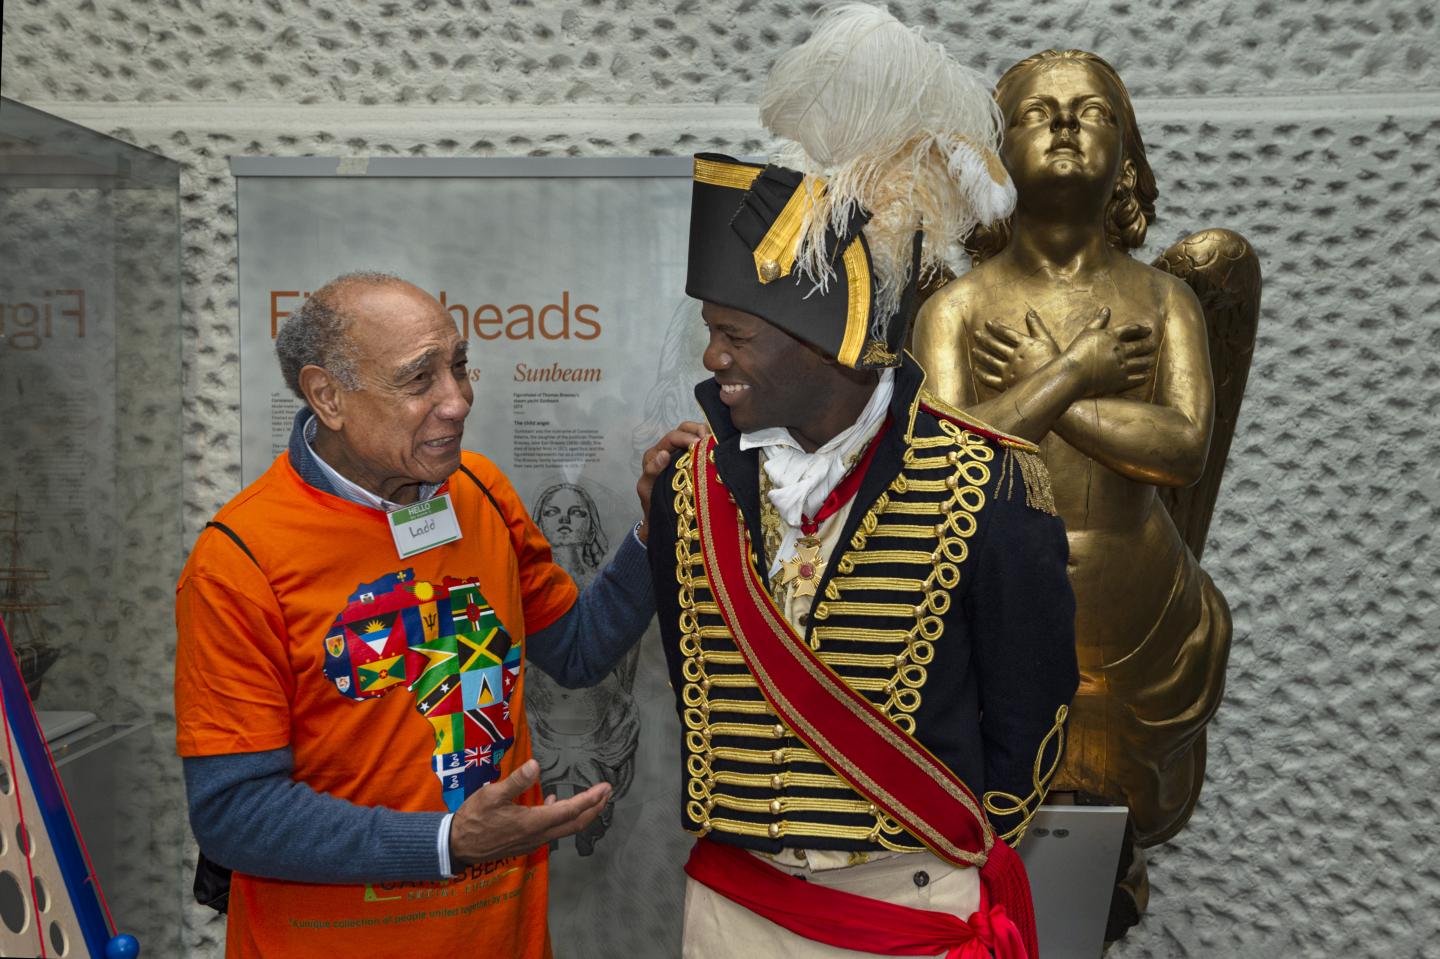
[{"x": 392, "y": 681}]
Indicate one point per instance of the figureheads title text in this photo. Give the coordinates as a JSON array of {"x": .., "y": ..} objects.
[{"x": 565, "y": 319}]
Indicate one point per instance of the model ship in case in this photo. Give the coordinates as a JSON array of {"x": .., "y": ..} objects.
[{"x": 20, "y": 604}]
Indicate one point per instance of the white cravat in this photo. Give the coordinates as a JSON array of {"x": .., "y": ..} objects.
[{"x": 800, "y": 481}]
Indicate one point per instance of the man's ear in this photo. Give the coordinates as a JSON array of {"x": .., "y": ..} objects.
[{"x": 323, "y": 395}]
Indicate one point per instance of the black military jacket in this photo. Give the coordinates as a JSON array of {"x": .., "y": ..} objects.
[{"x": 949, "y": 609}]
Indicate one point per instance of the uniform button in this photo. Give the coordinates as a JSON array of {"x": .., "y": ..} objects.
[
  {"x": 776, "y": 782},
  {"x": 922, "y": 879},
  {"x": 779, "y": 731},
  {"x": 774, "y": 830},
  {"x": 778, "y": 756},
  {"x": 775, "y": 807},
  {"x": 800, "y": 854},
  {"x": 804, "y": 619}
]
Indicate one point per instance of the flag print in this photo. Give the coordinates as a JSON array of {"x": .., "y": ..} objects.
[
  {"x": 445, "y": 645},
  {"x": 381, "y": 674}
]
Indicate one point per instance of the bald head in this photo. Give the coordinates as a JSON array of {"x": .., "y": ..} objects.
[{"x": 319, "y": 333}]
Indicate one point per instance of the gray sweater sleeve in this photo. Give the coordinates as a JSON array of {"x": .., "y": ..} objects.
[
  {"x": 249, "y": 815},
  {"x": 583, "y": 645}
]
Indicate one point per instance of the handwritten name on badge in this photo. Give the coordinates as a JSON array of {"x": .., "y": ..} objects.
[{"x": 423, "y": 526}]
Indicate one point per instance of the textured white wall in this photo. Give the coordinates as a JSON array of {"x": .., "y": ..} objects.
[{"x": 1313, "y": 128}]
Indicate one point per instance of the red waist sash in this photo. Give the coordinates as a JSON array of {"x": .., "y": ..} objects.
[{"x": 848, "y": 921}]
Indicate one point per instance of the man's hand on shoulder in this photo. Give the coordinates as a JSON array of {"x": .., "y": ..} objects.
[
  {"x": 653, "y": 463},
  {"x": 490, "y": 825}
]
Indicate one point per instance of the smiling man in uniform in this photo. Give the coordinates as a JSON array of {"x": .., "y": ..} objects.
[{"x": 862, "y": 592}]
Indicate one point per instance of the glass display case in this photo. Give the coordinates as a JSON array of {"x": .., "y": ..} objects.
[{"x": 90, "y": 475}]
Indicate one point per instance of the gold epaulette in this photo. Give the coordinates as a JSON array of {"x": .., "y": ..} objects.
[{"x": 1019, "y": 453}]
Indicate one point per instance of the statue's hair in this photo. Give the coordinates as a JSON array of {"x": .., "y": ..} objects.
[
  {"x": 1129, "y": 212},
  {"x": 317, "y": 334},
  {"x": 592, "y": 553}
]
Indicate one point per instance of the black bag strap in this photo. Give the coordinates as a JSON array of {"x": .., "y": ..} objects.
[
  {"x": 484, "y": 489},
  {"x": 235, "y": 538},
  {"x": 212, "y": 880}
]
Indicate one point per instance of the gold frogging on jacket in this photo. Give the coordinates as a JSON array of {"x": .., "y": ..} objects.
[
  {"x": 999, "y": 803},
  {"x": 881, "y": 646}
]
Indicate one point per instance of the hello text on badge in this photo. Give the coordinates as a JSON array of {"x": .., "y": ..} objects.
[{"x": 423, "y": 526}]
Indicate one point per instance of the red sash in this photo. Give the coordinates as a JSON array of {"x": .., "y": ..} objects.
[
  {"x": 847, "y": 921},
  {"x": 854, "y": 738}
]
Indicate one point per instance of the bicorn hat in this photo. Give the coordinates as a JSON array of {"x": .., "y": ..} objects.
[{"x": 888, "y": 158}]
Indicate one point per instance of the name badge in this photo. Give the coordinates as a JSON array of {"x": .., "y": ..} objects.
[{"x": 424, "y": 526}]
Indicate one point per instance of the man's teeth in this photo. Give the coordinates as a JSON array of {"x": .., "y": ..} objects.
[{"x": 734, "y": 387}]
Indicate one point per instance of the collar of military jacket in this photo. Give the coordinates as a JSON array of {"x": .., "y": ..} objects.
[{"x": 740, "y": 469}]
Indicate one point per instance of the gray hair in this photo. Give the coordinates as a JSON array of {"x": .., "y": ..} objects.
[{"x": 316, "y": 334}]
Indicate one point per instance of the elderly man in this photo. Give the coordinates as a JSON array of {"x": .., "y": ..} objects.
[{"x": 349, "y": 669}]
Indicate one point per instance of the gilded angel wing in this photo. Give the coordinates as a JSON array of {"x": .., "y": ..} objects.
[{"x": 1223, "y": 270}]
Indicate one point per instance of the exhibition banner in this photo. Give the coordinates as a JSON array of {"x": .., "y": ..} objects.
[{"x": 567, "y": 278}]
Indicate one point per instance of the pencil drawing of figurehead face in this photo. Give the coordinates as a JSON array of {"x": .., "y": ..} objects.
[{"x": 567, "y": 516}]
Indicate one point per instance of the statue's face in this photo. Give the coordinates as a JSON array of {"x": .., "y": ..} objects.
[
  {"x": 565, "y": 519},
  {"x": 1062, "y": 127}
]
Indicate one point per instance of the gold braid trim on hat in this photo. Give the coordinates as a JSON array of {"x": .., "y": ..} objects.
[
  {"x": 735, "y": 176},
  {"x": 775, "y": 256},
  {"x": 857, "y": 316}
]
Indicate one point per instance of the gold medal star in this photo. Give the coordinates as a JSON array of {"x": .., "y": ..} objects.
[{"x": 802, "y": 571}]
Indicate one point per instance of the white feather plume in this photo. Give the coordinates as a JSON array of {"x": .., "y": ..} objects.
[{"x": 894, "y": 126}]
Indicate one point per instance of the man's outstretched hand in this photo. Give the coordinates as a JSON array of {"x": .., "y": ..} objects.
[{"x": 490, "y": 825}]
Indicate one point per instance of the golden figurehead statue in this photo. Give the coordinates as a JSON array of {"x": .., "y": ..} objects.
[{"x": 1129, "y": 377}]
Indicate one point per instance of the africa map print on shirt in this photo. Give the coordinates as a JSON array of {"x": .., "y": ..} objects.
[{"x": 445, "y": 646}]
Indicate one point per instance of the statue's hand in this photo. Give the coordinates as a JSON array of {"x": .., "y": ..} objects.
[
  {"x": 1106, "y": 360},
  {"x": 1004, "y": 356}
]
